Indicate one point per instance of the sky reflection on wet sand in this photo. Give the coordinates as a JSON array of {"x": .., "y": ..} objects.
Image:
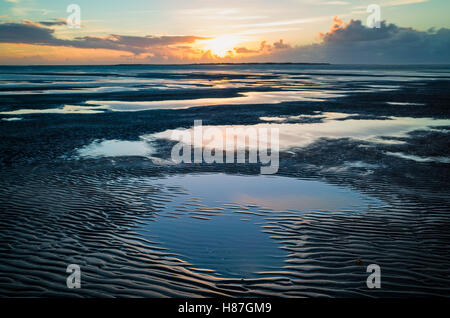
[{"x": 219, "y": 224}]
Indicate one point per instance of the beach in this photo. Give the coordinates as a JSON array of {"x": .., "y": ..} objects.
[{"x": 87, "y": 177}]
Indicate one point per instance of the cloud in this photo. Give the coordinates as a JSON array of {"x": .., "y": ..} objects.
[
  {"x": 337, "y": 3},
  {"x": 280, "y": 23},
  {"x": 280, "y": 45},
  {"x": 402, "y": 2},
  {"x": 58, "y": 22},
  {"x": 37, "y": 33},
  {"x": 264, "y": 48},
  {"x": 350, "y": 42},
  {"x": 244, "y": 50},
  {"x": 355, "y": 43},
  {"x": 389, "y": 3}
]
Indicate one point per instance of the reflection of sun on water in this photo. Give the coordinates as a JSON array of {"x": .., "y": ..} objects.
[{"x": 222, "y": 44}]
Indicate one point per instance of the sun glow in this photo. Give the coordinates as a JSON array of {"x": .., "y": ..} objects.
[{"x": 221, "y": 45}]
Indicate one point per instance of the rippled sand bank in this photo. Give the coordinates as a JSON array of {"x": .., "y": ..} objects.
[{"x": 363, "y": 178}]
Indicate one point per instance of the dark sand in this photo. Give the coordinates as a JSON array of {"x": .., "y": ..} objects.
[{"x": 141, "y": 228}]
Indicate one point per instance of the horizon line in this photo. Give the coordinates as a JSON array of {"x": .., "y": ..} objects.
[
  {"x": 231, "y": 63},
  {"x": 177, "y": 64}
]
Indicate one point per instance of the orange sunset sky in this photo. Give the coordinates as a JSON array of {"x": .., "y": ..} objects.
[{"x": 110, "y": 32}]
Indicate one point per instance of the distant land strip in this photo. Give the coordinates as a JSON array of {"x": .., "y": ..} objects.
[{"x": 251, "y": 63}]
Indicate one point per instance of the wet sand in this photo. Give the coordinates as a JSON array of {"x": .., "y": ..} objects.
[{"x": 363, "y": 179}]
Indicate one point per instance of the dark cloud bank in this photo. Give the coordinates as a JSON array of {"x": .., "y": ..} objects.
[
  {"x": 356, "y": 43},
  {"x": 38, "y": 34}
]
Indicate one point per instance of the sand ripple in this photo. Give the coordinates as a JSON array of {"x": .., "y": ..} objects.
[{"x": 96, "y": 218}]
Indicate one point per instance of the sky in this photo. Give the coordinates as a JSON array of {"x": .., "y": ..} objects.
[{"x": 198, "y": 31}]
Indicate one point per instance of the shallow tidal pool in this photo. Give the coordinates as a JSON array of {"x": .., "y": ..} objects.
[{"x": 222, "y": 223}]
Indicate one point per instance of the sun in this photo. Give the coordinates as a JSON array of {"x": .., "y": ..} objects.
[{"x": 222, "y": 44}]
